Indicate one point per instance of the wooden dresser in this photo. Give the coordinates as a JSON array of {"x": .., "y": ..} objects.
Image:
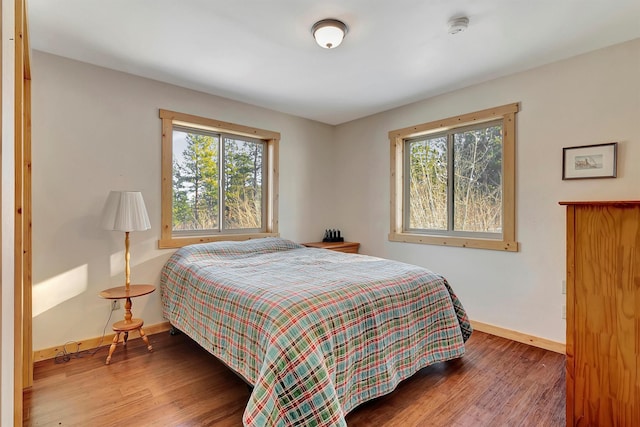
[{"x": 603, "y": 313}]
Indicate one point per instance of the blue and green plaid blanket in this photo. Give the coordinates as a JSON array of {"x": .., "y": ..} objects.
[{"x": 316, "y": 332}]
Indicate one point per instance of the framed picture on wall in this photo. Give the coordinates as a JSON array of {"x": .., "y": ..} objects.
[{"x": 590, "y": 161}]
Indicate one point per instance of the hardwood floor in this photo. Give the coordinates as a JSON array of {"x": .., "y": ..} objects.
[{"x": 497, "y": 383}]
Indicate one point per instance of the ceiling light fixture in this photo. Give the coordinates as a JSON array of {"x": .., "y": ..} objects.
[
  {"x": 329, "y": 32},
  {"x": 458, "y": 25}
]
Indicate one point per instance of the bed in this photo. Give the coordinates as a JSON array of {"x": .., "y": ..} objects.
[{"x": 314, "y": 332}]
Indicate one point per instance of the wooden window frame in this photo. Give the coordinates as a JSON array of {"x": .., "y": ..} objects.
[
  {"x": 272, "y": 140},
  {"x": 504, "y": 242}
]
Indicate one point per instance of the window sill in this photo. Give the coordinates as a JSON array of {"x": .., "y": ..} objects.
[
  {"x": 179, "y": 242},
  {"x": 462, "y": 242}
]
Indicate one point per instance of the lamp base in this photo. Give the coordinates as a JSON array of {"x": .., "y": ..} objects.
[
  {"x": 124, "y": 327},
  {"x": 129, "y": 323}
]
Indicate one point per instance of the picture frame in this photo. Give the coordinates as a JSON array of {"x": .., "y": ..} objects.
[{"x": 590, "y": 161}]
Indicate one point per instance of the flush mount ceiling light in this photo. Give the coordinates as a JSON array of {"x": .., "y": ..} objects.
[
  {"x": 458, "y": 25},
  {"x": 329, "y": 32}
]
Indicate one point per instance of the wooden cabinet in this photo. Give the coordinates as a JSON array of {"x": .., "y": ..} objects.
[
  {"x": 348, "y": 247},
  {"x": 603, "y": 313}
]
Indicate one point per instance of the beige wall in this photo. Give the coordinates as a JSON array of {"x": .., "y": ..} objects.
[
  {"x": 96, "y": 130},
  {"x": 590, "y": 99}
]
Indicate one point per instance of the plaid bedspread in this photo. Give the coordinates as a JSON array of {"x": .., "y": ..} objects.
[{"x": 316, "y": 332}]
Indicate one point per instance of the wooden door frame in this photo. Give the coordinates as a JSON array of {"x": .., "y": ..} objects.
[{"x": 23, "y": 346}]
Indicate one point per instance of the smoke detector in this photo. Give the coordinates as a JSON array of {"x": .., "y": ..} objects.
[{"x": 458, "y": 25}]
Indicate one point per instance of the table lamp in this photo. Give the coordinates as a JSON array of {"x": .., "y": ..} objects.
[{"x": 125, "y": 211}]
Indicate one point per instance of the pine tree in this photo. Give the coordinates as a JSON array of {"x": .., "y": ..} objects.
[{"x": 195, "y": 184}]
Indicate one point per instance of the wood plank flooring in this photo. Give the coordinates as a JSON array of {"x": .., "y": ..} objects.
[{"x": 497, "y": 383}]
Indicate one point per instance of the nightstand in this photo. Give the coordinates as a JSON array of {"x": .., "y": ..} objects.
[
  {"x": 347, "y": 247},
  {"x": 129, "y": 323}
]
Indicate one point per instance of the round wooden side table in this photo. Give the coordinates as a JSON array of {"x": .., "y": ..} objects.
[{"x": 129, "y": 323}]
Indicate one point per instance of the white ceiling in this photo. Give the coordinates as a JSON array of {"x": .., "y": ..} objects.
[{"x": 261, "y": 52}]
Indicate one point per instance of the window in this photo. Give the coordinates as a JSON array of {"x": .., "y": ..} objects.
[
  {"x": 219, "y": 181},
  {"x": 453, "y": 181}
]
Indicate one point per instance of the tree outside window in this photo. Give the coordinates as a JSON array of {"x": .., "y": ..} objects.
[
  {"x": 202, "y": 191},
  {"x": 220, "y": 184},
  {"x": 453, "y": 181}
]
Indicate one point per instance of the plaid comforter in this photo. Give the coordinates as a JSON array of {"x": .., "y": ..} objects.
[{"x": 316, "y": 332}]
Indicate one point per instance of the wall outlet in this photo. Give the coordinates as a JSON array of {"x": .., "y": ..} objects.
[
  {"x": 564, "y": 287},
  {"x": 115, "y": 305},
  {"x": 564, "y": 311}
]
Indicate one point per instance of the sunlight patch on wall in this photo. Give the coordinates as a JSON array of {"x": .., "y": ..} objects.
[
  {"x": 56, "y": 290},
  {"x": 140, "y": 253},
  {"x": 116, "y": 265}
]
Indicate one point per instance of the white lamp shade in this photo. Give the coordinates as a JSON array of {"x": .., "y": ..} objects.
[
  {"x": 329, "y": 33},
  {"x": 125, "y": 211}
]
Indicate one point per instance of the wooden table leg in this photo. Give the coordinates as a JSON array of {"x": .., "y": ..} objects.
[
  {"x": 124, "y": 327},
  {"x": 146, "y": 340},
  {"x": 129, "y": 324},
  {"x": 116, "y": 338}
]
